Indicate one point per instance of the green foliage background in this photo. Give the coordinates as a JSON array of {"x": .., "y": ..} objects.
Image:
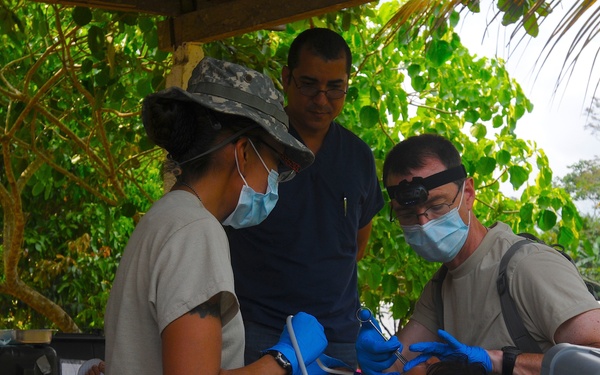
[{"x": 99, "y": 173}]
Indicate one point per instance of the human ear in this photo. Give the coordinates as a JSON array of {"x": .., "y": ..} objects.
[
  {"x": 241, "y": 150},
  {"x": 469, "y": 190}
]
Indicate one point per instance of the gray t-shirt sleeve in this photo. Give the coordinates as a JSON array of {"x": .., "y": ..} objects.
[{"x": 194, "y": 265}]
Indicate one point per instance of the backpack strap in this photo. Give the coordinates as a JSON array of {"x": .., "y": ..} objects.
[
  {"x": 520, "y": 335},
  {"x": 438, "y": 280}
]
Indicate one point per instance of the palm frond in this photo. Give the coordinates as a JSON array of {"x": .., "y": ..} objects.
[{"x": 526, "y": 16}]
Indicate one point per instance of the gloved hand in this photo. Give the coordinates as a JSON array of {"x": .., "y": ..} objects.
[
  {"x": 373, "y": 352},
  {"x": 327, "y": 361},
  {"x": 453, "y": 348},
  {"x": 311, "y": 340}
]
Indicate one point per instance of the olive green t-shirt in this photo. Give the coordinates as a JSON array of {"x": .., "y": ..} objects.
[{"x": 546, "y": 287}]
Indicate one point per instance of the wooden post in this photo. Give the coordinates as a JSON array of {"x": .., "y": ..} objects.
[{"x": 185, "y": 58}]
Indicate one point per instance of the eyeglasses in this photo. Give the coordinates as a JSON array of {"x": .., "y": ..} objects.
[
  {"x": 287, "y": 167},
  {"x": 432, "y": 212},
  {"x": 312, "y": 91}
]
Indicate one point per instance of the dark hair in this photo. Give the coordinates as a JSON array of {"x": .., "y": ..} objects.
[
  {"x": 456, "y": 366},
  {"x": 187, "y": 129},
  {"x": 324, "y": 43},
  {"x": 413, "y": 152}
]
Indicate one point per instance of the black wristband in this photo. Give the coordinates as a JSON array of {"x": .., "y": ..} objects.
[
  {"x": 281, "y": 360},
  {"x": 509, "y": 358}
]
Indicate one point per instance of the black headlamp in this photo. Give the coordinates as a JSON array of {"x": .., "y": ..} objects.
[{"x": 417, "y": 190}]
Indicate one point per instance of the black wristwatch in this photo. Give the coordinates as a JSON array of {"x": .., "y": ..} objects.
[
  {"x": 509, "y": 357},
  {"x": 281, "y": 360}
]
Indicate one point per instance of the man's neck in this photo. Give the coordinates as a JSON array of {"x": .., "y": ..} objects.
[
  {"x": 476, "y": 235},
  {"x": 312, "y": 138}
]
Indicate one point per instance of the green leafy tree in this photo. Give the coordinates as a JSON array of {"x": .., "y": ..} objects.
[
  {"x": 77, "y": 170},
  {"x": 583, "y": 183},
  {"x": 74, "y": 160},
  {"x": 594, "y": 116}
]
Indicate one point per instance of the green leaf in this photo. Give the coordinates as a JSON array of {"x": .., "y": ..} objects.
[
  {"x": 439, "y": 52},
  {"x": 352, "y": 94},
  {"x": 414, "y": 70},
  {"x": 544, "y": 10},
  {"x": 546, "y": 220},
  {"x": 389, "y": 285},
  {"x": 418, "y": 83},
  {"x": 566, "y": 237},
  {"x": 400, "y": 306},
  {"x": 526, "y": 213},
  {"x": 145, "y": 23},
  {"x": 497, "y": 121},
  {"x": 129, "y": 18},
  {"x": 567, "y": 213},
  {"x": 486, "y": 166},
  {"x": 544, "y": 179},
  {"x": 485, "y": 113},
  {"x": 454, "y": 18},
  {"x": 86, "y": 66},
  {"x": 38, "y": 188},
  {"x": 369, "y": 116},
  {"x": 82, "y": 15},
  {"x": 374, "y": 276},
  {"x": 374, "y": 94},
  {"x": 473, "y": 6},
  {"x": 513, "y": 11},
  {"x": 531, "y": 25},
  {"x": 505, "y": 96},
  {"x": 128, "y": 209},
  {"x": 519, "y": 111},
  {"x": 144, "y": 87},
  {"x": 96, "y": 42},
  {"x": 503, "y": 157},
  {"x": 102, "y": 77},
  {"x": 471, "y": 116},
  {"x": 518, "y": 176},
  {"x": 478, "y": 131}
]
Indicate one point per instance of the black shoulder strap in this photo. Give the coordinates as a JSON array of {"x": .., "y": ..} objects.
[
  {"x": 438, "y": 280},
  {"x": 521, "y": 337}
]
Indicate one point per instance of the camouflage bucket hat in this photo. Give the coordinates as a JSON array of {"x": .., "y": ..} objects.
[{"x": 236, "y": 90}]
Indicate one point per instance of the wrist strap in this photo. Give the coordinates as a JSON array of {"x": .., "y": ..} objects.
[
  {"x": 281, "y": 360},
  {"x": 509, "y": 358}
]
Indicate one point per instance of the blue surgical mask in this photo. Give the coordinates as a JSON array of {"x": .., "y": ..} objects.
[
  {"x": 253, "y": 207},
  {"x": 439, "y": 240}
]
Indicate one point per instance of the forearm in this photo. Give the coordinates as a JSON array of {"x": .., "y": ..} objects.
[
  {"x": 362, "y": 240},
  {"x": 526, "y": 364}
]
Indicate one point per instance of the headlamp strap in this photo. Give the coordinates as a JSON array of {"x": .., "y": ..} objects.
[
  {"x": 417, "y": 190},
  {"x": 444, "y": 177}
]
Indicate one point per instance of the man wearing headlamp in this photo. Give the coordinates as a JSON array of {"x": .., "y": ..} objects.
[{"x": 432, "y": 199}]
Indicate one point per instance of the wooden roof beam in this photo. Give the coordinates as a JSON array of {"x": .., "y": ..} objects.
[
  {"x": 213, "y": 20},
  {"x": 158, "y": 7}
]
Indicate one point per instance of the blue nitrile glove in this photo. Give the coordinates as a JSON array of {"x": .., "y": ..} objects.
[
  {"x": 374, "y": 354},
  {"x": 311, "y": 340},
  {"x": 327, "y": 361},
  {"x": 453, "y": 348}
]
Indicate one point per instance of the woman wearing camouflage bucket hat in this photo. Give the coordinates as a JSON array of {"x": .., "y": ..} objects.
[{"x": 172, "y": 308}]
